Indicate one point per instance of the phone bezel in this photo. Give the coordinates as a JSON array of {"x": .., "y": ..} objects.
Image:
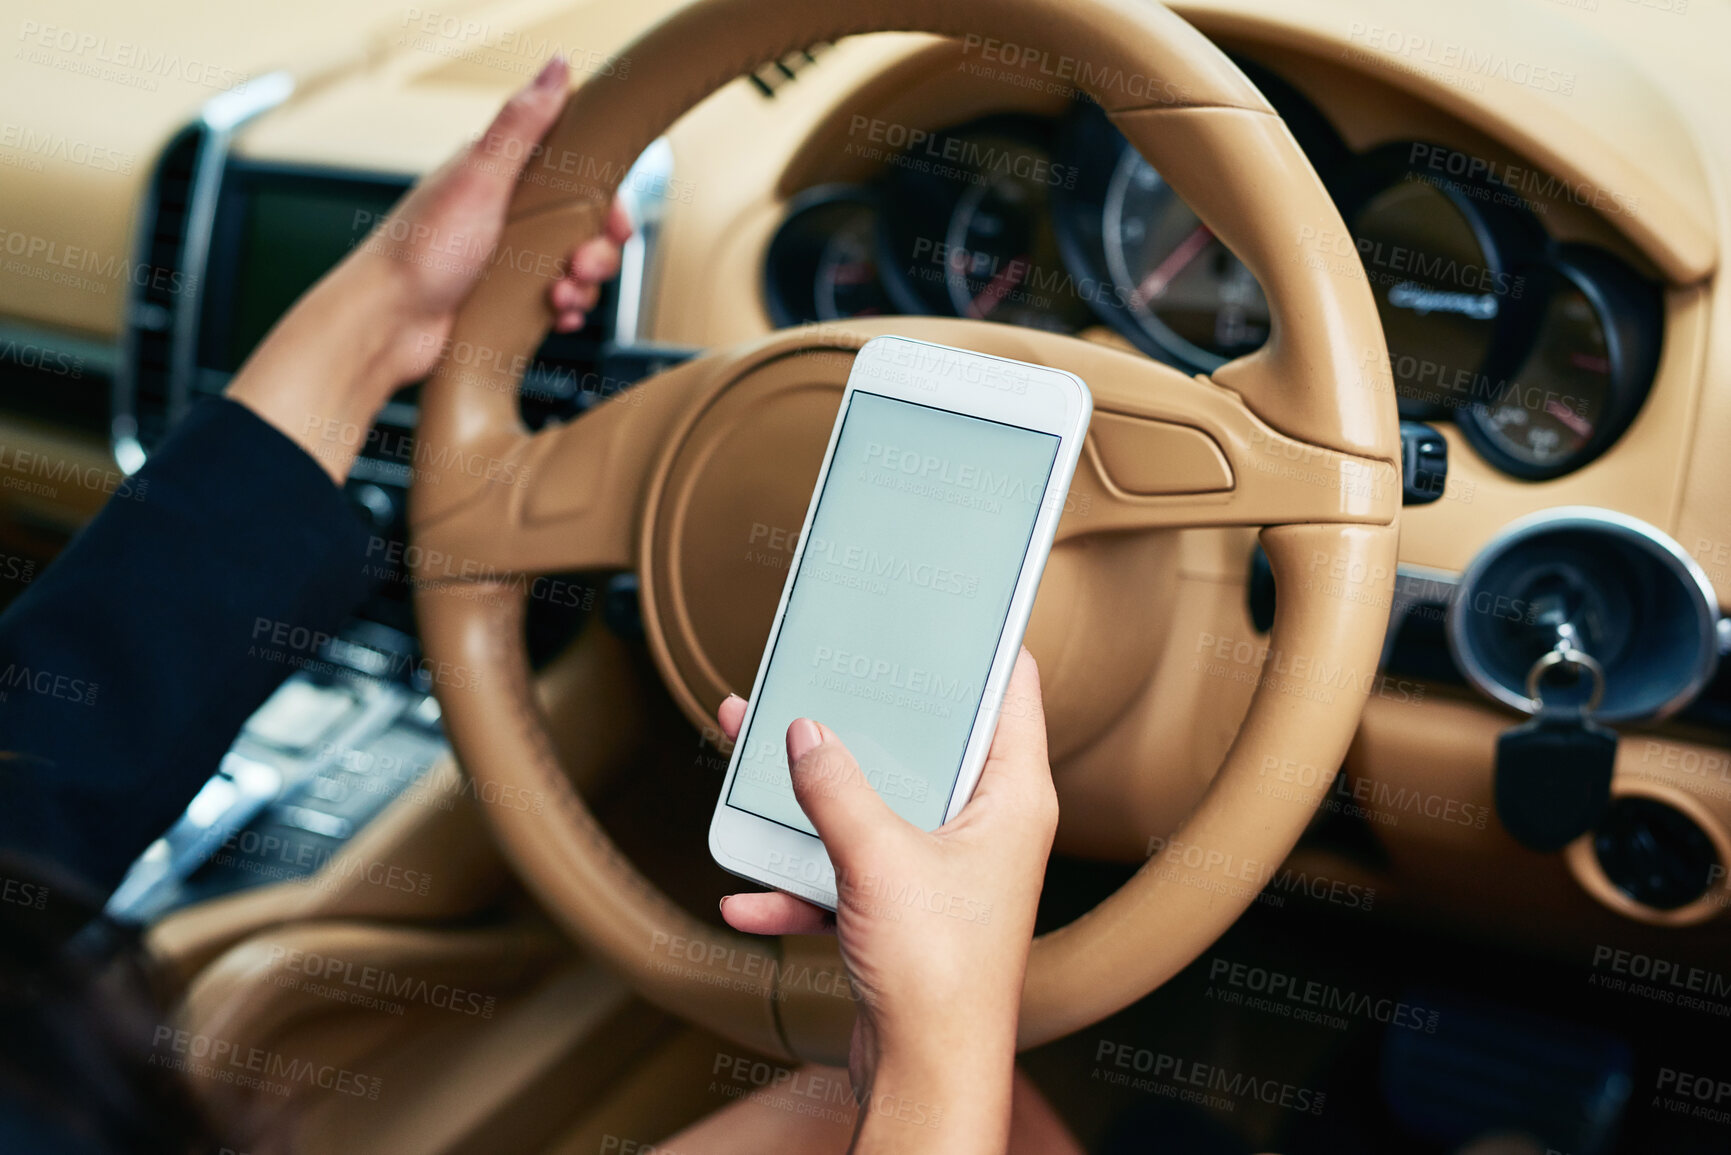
[{"x": 1034, "y": 397}]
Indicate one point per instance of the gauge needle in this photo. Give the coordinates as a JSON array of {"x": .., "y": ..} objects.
[
  {"x": 1568, "y": 417},
  {"x": 998, "y": 288},
  {"x": 1155, "y": 282}
]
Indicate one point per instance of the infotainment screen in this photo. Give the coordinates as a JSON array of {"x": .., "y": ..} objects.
[{"x": 277, "y": 231}]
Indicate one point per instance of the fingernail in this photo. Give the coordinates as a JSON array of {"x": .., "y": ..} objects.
[
  {"x": 733, "y": 698},
  {"x": 724, "y": 899},
  {"x": 802, "y": 737},
  {"x": 552, "y": 73}
]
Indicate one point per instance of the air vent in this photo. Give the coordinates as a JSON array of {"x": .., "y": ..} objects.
[
  {"x": 141, "y": 384},
  {"x": 772, "y": 76}
]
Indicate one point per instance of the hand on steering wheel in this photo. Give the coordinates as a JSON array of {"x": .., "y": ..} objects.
[
  {"x": 934, "y": 927},
  {"x": 444, "y": 234},
  {"x": 383, "y": 317}
]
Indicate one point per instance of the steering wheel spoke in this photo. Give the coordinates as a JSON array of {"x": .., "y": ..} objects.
[
  {"x": 563, "y": 500},
  {"x": 1165, "y": 450},
  {"x": 1177, "y": 452}
]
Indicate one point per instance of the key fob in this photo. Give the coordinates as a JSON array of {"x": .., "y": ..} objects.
[{"x": 1553, "y": 779}]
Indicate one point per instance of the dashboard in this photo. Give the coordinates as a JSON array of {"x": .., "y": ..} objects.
[
  {"x": 1544, "y": 264},
  {"x": 1541, "y": 351}
]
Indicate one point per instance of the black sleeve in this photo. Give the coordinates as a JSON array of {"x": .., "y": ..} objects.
[{"x": 128, "y": 667}]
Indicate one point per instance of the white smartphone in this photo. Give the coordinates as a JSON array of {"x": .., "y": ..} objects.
[{"x": 909, "y": 593}]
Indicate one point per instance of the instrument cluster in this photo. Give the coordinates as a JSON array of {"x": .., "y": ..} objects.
[{"x": 1541, "y": 351}]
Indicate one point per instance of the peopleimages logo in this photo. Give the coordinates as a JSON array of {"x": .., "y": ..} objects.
[
  {"x": 1677, "y": 980},
  {"x": 927, "y": 361},
  {"x": 123, "y": 61},
  {"x": 1689, "y": 1093},
  {"x": 223, "y": 1060},
  {"x": 1310, "y": 1000},
  {"x": 1530, "y": 186},
  {"x": 1205, "y": 868},
  {"x": 1469, "y": 61},
  {"x": 974, "y": 155},
  {"x": 1119, "y": 1063},
  {"x": 932, "y": 469},
  {"x": 44, "y": 475},
  {"x": 46, "y": 684},
  {"x": 880, "y": 567},
  {"x": 1363, "y": 797},
  {"x": 725, "y": 965},
  {"x": 801, "y": 1091},
  {"x": 359, "y": 982},
  {"x": 33, "y": 146},
  {"x": 21, "y": 893},
  {"x": 875, "y": 678},
  {"x": 1093, "y": 77}
]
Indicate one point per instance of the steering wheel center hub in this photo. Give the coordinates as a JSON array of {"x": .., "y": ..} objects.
[{"x": 721, "y": 526}]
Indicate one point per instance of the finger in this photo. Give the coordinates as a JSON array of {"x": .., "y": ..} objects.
[
  {"x": 568, "y": 296},
  {"x": 569, "y": 321},
  {"x": 584, "y": 297},
  {"x": 1017, "y": 761},
  {"x": 731, "y": 714},
  {"x": 618, "y": 228},
  {"x": 595, "y": 260},
  {"x": 510, "y": 140},
  {"x": 773, "y": 912},
  {"x": 834, "y": 793}
]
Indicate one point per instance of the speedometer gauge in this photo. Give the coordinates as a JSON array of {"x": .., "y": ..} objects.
[
  {"x": 1144, "y": 262},
  {"x": 1184, "y": 288},
  {"x": 1580, "y": 377},
  {"x": 1442, "y": 289}
]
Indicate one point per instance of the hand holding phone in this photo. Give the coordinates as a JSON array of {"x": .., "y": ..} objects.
[
  {"x": 934, "y": 926},
  {"x": 910, "y": 590}
]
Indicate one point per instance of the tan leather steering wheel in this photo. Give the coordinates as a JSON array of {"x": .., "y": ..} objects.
[{"x": 672, "y": 478}]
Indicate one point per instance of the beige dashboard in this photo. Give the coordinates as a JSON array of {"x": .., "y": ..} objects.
[
  {"x": 1619, "y": 103},
  {"x": 1616, "y": 104}
]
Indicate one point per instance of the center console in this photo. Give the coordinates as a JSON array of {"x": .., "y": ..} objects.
[{"x": 238, "y": 240}]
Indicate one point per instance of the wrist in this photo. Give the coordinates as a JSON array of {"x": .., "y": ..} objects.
[
  {"x": 373, "y": 303},
  {"x": 933, "y": 1098},
  {"x": 325, "y": 371}
]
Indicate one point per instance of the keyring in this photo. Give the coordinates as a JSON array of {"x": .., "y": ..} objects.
[{"x": 1566, "y": 655}]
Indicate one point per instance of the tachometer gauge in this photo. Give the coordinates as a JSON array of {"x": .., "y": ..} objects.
[
  {"x": 1552, "y": 407},
  {"x": 1185, "y": 289},
  {"x": 1001, "y": 260},
  {"x": 822, "y": 263},
  {"x": 846, "y": 282},
  {"x": 1582, "y": 375},
  {"x": 967, "y": 226}
]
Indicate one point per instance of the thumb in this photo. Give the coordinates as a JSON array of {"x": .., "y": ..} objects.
[
  {"x": 833, "y": 791},
  {"x": 1017, "y": 765},
  {"x": 514, "y": 136}
]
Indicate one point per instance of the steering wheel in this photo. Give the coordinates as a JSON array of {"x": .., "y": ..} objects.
[{"x": 672, "y": 478}]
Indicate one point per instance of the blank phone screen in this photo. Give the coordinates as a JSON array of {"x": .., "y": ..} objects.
[{"x": 898, "y": 604}]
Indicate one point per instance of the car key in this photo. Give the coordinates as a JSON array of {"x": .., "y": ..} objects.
[{"x": 1553, "y": 774}]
